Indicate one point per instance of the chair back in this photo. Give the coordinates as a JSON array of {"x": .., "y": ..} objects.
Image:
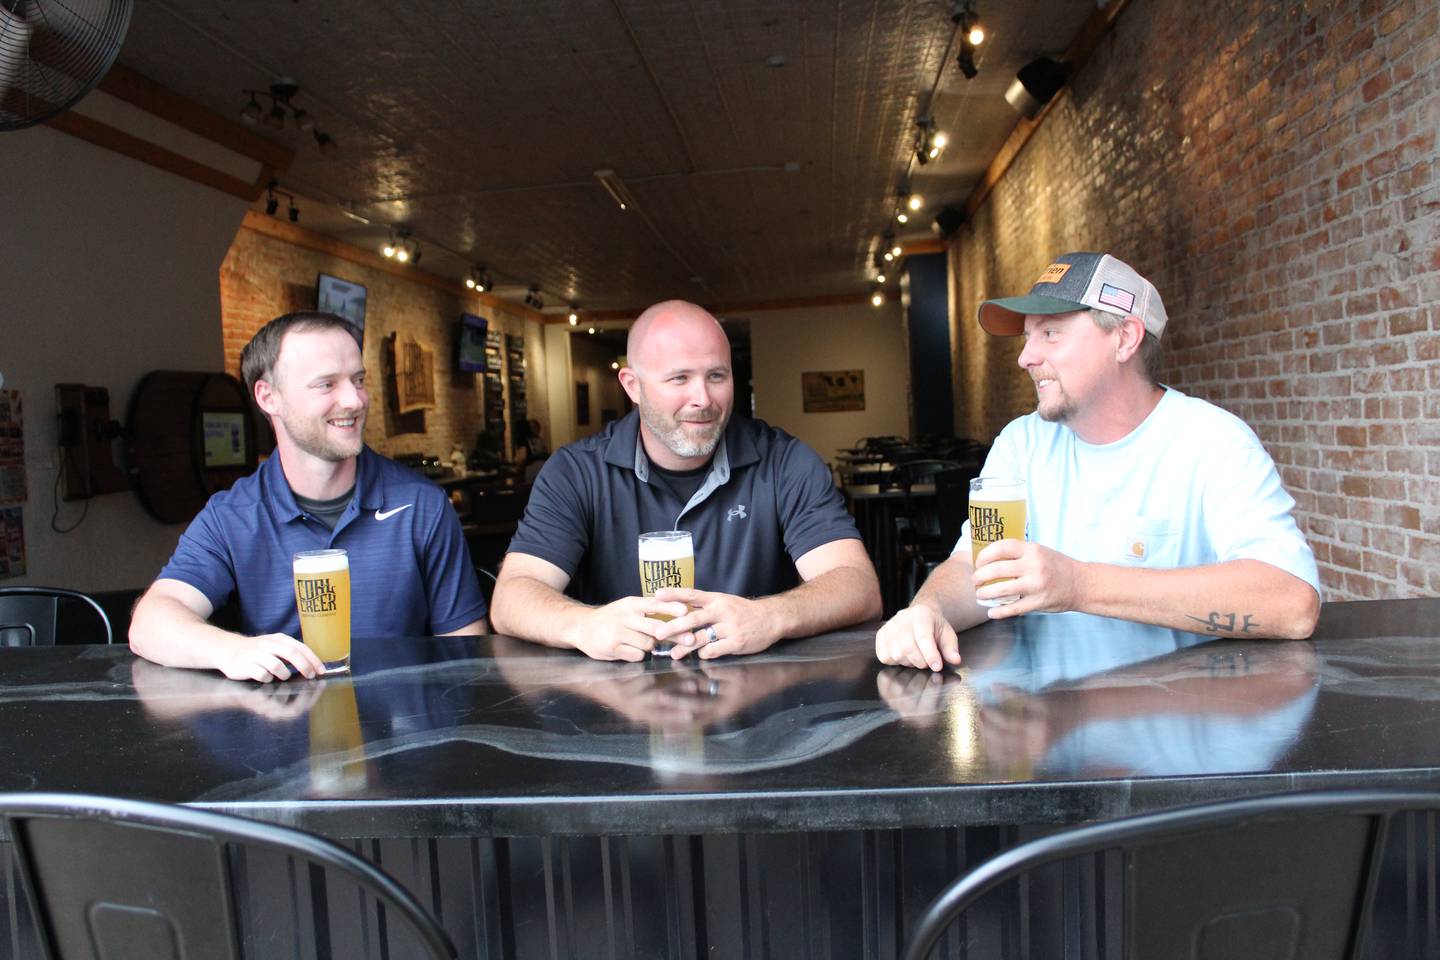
[
  {"x": 29, "y": 615},
  {"x": 1282, "y": 876},
  {"x": 952, "y": 499},
  {"x": 130, "y": 880}
]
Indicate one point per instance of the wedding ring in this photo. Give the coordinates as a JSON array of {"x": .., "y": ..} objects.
[{"x": 710, "y": 632}]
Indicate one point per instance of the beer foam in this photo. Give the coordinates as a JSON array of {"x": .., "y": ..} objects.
[
  {"x": 326, "y": 561},
  {"x": 677, "y": 548}
]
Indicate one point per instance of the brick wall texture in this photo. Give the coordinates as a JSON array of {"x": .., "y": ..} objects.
[
  {"x": 263, "y": 277},
  {"x": 1272, "y": 168}
]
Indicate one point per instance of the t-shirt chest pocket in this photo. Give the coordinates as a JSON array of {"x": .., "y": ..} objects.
[{"x": 1151, "y": 542}]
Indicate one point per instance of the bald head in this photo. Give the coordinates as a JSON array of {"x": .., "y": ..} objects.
[{"x": 670, "y": 327}]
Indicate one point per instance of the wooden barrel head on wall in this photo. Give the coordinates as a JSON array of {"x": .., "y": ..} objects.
[{"x": 189, "y": 435}]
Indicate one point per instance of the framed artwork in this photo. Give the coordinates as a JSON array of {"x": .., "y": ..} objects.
[
  {"x": 582, "y": 403},
  {"x": 414, "y": 377},
  {"x": 831, "y": 391}
]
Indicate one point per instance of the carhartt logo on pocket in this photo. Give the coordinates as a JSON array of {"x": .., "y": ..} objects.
[
  {"x": 1137, "y": 549},
  {"x": 738, "y": 512}
]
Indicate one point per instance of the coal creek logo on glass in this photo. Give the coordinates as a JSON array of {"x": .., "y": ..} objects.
[
  {"x": 315, "y": 595},
  {"x": 987, "y": 524},
  {"x": 659, "y": 574}
]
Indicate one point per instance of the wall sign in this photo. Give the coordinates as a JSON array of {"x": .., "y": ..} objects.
[{"x": 831, "y": 391}]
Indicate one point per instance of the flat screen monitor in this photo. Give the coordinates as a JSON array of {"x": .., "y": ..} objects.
[
  {"x": 343, "y": 298},
  {"x": 470, "y": 351}
]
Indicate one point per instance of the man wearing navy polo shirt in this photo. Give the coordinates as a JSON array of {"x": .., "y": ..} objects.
[
  {"x": 776, "y": 555},
  {"x": 410, "y": 573}
]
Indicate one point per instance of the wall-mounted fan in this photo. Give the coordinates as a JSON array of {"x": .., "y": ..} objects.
[{"x": 53, "y": 52}]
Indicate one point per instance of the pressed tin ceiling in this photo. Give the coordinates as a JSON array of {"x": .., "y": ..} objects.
[{"x": 764, "y": 142}]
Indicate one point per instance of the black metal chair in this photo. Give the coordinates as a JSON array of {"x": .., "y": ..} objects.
[
  {"x": 29, "y": 615},
  {"x": 1282, "y": 876},
  {"x": 131, "y": 880}
]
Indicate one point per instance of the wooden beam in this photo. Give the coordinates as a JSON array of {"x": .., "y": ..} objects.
[
  {"x": 740, "y": 306},
  {"x": 298, "y": 236},
  {"x": 104, "y": 135},
  {"x": 1086, "y": 39},
  {"x": 140, "y": 91}
]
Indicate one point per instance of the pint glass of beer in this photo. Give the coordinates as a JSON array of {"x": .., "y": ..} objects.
[
  {"x": 997, "y": 512},
  {"x": 667, "y": 559},
  {"x": 322, "y": 595}
]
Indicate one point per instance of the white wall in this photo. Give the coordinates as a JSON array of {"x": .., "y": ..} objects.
[
  {"x": 785, "y": 343},
  {"x": 110, "y": 270}
]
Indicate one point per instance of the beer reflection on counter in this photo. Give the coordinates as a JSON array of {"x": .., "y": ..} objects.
[
  {"x": 320, "y": 726},
  {"x": 1073, "y": 695}
]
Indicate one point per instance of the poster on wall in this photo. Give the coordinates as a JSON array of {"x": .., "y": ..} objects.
[
  {"x": 12, "y": 542},
  {"x": 12, "y": 449},
  {"x": 831, "y": 391}
]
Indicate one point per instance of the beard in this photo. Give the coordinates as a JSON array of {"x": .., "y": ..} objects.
[
  {"x": 672, "y": 433},
  {"x": 312, "y": 437}
]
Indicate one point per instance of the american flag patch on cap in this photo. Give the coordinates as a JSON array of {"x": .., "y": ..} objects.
[{"x": 1116, "y": 297}]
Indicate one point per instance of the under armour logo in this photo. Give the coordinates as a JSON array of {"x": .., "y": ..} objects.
[{"x": 738, "y": 511}]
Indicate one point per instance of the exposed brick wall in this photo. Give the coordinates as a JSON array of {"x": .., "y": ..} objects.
[
  {"x": 263, "y": 277},
  {"x": 1272, "y": 168}
]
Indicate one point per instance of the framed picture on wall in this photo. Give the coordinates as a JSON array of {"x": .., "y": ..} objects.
[
  {"x": 831, "y": 391},
  {"x": 582, "y": 403}
]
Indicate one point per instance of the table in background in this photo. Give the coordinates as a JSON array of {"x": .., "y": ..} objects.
[
  {"x": 804, "y": 802},
  {"x": 875, "y": 509}
]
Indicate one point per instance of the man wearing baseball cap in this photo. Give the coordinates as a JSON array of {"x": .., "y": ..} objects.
[{"x": 1143, "y": 503}]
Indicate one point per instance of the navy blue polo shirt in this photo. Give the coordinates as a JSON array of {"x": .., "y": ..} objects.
[
  {"x": 410, "y": 571},
  {"x": 767, "y": 501}
]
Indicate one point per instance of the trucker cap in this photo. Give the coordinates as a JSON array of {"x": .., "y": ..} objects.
[{"x": 1079, "y": 281}]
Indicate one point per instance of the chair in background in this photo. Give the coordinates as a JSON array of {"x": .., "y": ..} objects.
[
  {"x": 1290, "y": 876},
  {"x": 941, "y": 518},
  {"x": 131, "y": 880},
  {"x": 29, "y": 615},
  {"x": 917, "y": 525}
]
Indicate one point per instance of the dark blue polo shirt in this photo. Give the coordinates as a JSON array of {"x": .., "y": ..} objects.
[
  {"x": 410, "y": 571},
  {"x": 767, "y": 501}
]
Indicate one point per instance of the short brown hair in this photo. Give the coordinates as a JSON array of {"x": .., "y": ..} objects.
[
  {"x": 257, "y": 360},
  {"x": 1149, "y": 347}
]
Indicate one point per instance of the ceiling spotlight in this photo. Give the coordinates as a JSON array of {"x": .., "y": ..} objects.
[
  {"x": 879, "y": 278},
  {"x": 470, "y": 282},
  {"x": 877, "y": 298},
  {"x": 304, "y": 121},
  {"x": 574, "y": 314},
  {"x": 915, "y": 202},
  {"x": 895, "y": 251},
  {"x": 532, "y": 298},
  {"x": 902, "y": 217},
  {"x": 388, "y": 248},
  {"x": 591, "y": 331},
  {"x": 972, "y": 34},
  {"x": 574, "y": 319},
  {"x": 272, "y": 203},
  {"x": 929, "y": 143},
  {"x": 889, "y": 256},
  {"x": 276, "y": 117},
  {"x": 251, "y": 114},
  {"x": 614, "y": 186},
  {"x": 402, "y": 254},
  {"x": 614, "y": 364},
  {"x": 294, "y": 211},
  {"x": 328, "y": 146}
]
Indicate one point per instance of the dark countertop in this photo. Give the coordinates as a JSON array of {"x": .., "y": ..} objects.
[{"x": 1054, "y": 719}]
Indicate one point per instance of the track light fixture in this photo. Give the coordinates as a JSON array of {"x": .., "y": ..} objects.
[
  {"x": 877, "y": 297},
  {"x": 574, "y": 317},
  {"x": 532, "y": 298},
  {"x": 272, "y": 201},
  {"x": 591, "y": 331},
  {"x": 971, "y": 35},
  {"x": 930, "y": 141},
  {"x": 281, "y": 109},
  {"x": 477, "y": 279},
  {"x": 915, "y": 202},
  {"x": 401, "y": 247}
]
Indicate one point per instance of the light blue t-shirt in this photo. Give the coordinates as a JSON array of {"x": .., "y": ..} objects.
[{"x": 1191, "y": 485}]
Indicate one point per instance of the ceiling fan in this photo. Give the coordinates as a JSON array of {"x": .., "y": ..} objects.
[{"x": 53, "y": 52}]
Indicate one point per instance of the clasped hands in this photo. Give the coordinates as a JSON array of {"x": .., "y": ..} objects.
[
  {"x": 1042, "y": 580},
  {"x": 626, "y": 629}
]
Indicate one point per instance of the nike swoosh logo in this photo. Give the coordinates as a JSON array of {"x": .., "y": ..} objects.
[{"x": 383, "y": 514}]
